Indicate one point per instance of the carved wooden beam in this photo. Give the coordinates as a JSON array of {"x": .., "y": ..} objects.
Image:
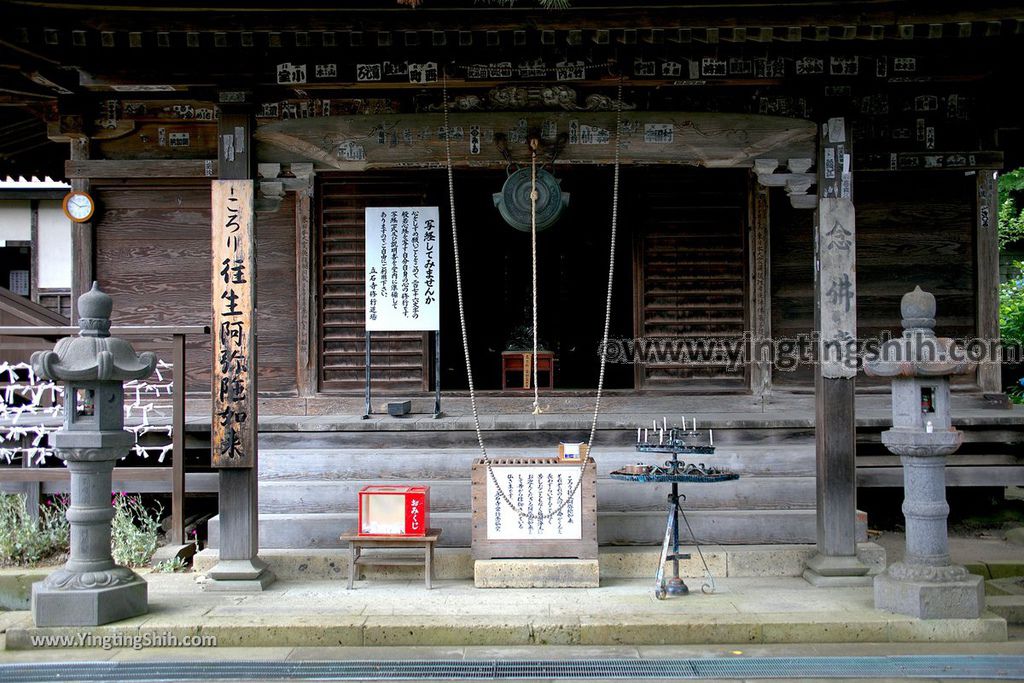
[{"x": 356, "y": 143}]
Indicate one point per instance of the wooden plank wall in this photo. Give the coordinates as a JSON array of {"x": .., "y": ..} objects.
[
  {"x": 692, "y": 267},
  {"x": 912, "y": 229},
  {"x": 399, "y": 359},
  {"x": 153, "y": 258}
]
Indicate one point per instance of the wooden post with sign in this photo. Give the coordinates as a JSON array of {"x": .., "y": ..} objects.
[
  {"x": 835, "y": 318},
  {"x": 234, "y": 348},
  {"x": 235, "y": 368},
  {"x": 987, "y": 250}
]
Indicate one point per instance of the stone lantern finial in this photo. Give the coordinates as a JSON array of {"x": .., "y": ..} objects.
[
  {"x": 93, "y": 354},
  {"x": 918, "y": 309},
  {"x": 94, "y": 309}
]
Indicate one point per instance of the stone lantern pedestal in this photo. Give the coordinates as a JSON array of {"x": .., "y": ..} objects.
[
  {"x": 924, "y": 584},
  {"x": 91, "y": 589}
]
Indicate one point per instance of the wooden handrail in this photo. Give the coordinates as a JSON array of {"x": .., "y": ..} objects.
[{"x": 177, "y": 473}]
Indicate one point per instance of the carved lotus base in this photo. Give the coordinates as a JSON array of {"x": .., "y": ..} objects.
[
  {"x": 75, "y": 605},
  {"x": 63, "y": 579}
]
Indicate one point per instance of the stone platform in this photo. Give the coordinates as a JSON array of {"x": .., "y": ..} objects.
[
  {"x": 742, "y": 611},
  {"x": 724, "y": 561}
]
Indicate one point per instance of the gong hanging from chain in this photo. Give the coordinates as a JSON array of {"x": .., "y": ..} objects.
[{"x": 513, "y": 201}]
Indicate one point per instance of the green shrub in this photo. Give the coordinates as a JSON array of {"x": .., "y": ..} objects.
[
  {"x": 23, "y": 540},
  {"x": 174, "y": 564},
  {"x": 133, "y": 537},
  {"x": 1011, "y": 307}
]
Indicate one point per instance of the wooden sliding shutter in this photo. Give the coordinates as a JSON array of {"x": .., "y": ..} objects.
[
  {"x": 691, "y": 279},
  {"x": 399, "y": 358}
]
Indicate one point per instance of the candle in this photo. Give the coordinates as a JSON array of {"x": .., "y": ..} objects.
[
  {"x": 711, "y": 437},
  {"x": 654, "y": 425},
  {"x": 638, "y": 435},
  {"x": 684, "y": 422},
  {"x": 661, "y": 437},
  {"x": 694, "y": 424},
  {"x": 645, "y": 435},
  {"x": 664, "y": 422}
]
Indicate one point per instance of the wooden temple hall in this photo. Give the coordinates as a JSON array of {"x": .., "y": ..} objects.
[{"x": 774, "y": 173}]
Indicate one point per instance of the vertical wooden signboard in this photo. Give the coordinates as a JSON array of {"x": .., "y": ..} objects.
[{"x": 234, "y": 325}]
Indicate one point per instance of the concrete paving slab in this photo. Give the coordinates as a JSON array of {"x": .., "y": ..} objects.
[
  {"x": 551, "y": 652},
  {"x": 989, "y": 628},
  {"x": 813, "y": 627},
  {"x": 362, "y": 653},
  {"x": 436, "y": 630},
  {"x": 284, "y": 630},
  {"x": 455, "y": 614},
  {"x": 187, "y": 654},
  {"x": 668, "y": 629}
]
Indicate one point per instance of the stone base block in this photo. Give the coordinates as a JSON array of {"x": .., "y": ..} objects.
[
  {"x": 836, "y": 571},
  {"x": 546, "y": 573},
  {"x": 88, "y": 607},
  {"x": 931, "y": 600},
  {"x": 239, "y": 576},
  {"x": 240, "y": 585},
  {"x": 824, "y": 581}
]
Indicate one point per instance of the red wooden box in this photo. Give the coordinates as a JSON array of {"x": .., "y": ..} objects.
[{"x": 394, "y": 510}]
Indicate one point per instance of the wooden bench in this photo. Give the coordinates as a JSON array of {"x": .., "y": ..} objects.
[{"x": 359, "y": 543}]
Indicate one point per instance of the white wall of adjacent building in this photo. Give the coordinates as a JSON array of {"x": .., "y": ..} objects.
[
  {"x": 16, "y": 220},
  {"x": 54, "y": 244}
]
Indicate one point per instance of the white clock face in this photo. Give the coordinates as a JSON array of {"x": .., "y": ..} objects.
[{"x": 79, "y": 206}]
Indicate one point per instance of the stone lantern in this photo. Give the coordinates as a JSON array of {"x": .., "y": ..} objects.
[
  {"x": 90, "y": 589},
  {"x": 924, "y": 584}
]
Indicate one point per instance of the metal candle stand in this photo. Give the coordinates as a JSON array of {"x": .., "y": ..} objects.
[{"x": 674, "y": 472}]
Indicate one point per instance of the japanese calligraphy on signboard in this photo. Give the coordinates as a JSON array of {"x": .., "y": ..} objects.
[
  {"x": 234, "y": 348},
  {"x": 537, "y": 491},
  {"x": 402, "y": 268}
]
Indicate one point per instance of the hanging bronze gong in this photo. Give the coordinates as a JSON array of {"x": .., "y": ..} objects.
[{"x": 513, "y": 201}]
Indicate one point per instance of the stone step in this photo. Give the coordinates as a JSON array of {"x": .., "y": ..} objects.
[
  {"x": 322, "y": 530},
  {"x": 454, "y": 495},
  {"x": 432, "y": 464},
  {"x": 723, "y": 561},
  {"x": 505, "y": 432}
]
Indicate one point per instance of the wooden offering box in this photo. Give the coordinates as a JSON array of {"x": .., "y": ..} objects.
[
  {"x": 563, "y": 516},
  {"x": 394, "y": 510}
]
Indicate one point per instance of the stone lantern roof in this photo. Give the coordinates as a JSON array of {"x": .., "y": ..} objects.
[
  {"x": 93, "y": 355},
  {"x": 918, "y": 353}
]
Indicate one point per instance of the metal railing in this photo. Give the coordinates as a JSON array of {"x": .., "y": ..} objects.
[{"x": 33, "y": 477}]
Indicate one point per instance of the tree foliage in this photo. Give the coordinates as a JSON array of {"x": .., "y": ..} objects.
[
  {"x": 1011, "y": 307},
  {"x": 1011, "y": 213}
]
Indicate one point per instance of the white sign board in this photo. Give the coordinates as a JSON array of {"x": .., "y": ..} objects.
[
  {"x": 536, "y": 491},
  {"x": 402, "y": 268}
]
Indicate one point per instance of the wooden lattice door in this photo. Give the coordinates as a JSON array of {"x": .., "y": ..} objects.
[{"x": 399, "y": 359}]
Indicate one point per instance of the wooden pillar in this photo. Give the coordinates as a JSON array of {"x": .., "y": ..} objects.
[
  {"x": 239, "y": 567},
  {"x": 83, "y": 238},
  {"x": 835, "y": 321},
  {"x": 987, "y": 273},
  {"x": 306, "y": 318},
  {"x": 760, "y": 286}
]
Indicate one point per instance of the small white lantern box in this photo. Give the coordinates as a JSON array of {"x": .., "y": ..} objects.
[
  {"x": 394, "y": 510},
  {"x": 572, "y": 452}
]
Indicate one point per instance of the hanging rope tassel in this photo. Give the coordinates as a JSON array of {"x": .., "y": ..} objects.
[{"x": 533, "y": 255}]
